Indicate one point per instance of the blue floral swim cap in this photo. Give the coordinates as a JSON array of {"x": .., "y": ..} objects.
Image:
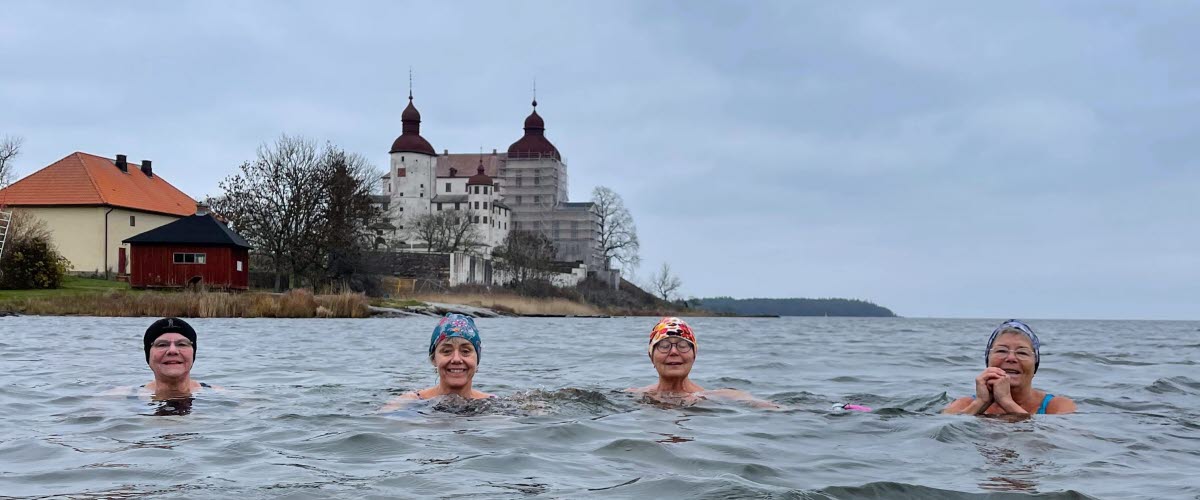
[
  {"x": 456, "y": 325},
  {"x": 1017, "y": 326}
]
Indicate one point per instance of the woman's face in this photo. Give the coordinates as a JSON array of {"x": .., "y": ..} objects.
[
  {"x": 455, "y": 359},
  {"x": 171, "y": 356},
  {"x": 672, "y": 363},
  {"x": 1013, "y": 353}
]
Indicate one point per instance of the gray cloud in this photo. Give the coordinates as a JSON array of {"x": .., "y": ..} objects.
[{"x": 1017, "y": 159}]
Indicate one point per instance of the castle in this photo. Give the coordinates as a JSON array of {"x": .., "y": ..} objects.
[{"x": 524, "y": 188}]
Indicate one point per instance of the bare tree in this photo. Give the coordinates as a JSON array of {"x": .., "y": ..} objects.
[
  {"x": 277, "y": 202},
  {"x": 446, "y": 231},
  {"x": 527, "y": 256},
  {"x": 618, "y": 234},
  {"x": 349, "y": 217},
  {"x": 10, "y": 148},
  {"x": 26, "y": 227},
  {"x": 665, "y": 282}
]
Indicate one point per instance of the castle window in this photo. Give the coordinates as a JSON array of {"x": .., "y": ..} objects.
[
  {"x": 439, "y": 207},
  {"x": 477, "y": 205},
  {"x": 485, "y": 219},
  {"x": 132, "y": 220},
  {"x": 485, "y": 190},
  {"x": 476, "y": 219},
  {"x": 537, "y": 199},
  {"x": 456, "y": 207},
  {"x": 537, "y": 181},
  {"x": 485, "y": 205},
  {"x": 447, "y": 187}
]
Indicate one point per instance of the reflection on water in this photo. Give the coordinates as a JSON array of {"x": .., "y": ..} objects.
[
  {"x": 176, "y": 407},
  {"x": 1014, "y": 473},
  {"x": 299, "y": 419}
]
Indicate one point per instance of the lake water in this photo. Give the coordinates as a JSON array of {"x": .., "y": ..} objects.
[{"x": 298, "y": 419}]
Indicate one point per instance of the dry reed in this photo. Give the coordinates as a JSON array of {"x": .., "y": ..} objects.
[{"x": 199, "y": 304}]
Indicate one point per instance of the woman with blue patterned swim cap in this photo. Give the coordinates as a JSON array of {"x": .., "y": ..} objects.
[
  {"x": 454, "y": 351},
  {"x": 1005, "y": 386}
]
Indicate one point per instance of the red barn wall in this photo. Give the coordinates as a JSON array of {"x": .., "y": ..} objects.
[{"x": 153, "y": 266}]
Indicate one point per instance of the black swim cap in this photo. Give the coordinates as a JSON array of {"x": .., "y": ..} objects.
[{"x": 168, "y": 325}]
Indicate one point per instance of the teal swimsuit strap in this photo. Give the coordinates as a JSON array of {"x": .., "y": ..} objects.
[{"x": 1045, "y": 403}]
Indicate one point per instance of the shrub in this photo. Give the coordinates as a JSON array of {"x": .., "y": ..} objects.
[{"x": 31, "y": 263}]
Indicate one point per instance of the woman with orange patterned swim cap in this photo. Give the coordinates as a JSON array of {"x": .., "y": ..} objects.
[{"x": 672, "y": 350}]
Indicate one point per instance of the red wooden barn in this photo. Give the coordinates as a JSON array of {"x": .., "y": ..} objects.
[{"x": 192, "y": 251}]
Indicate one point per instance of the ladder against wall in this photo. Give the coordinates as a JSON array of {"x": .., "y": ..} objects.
[{"x": 5, "y": 224}]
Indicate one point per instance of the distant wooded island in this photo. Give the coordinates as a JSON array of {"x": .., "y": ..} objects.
[{"x": 794, "y": 307}]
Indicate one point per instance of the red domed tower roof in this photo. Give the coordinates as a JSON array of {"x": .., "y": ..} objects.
[
  {"x": 480, "y": 177},
  {"x": 534, "y": 143},
  {"x": 410, "y": 140}
]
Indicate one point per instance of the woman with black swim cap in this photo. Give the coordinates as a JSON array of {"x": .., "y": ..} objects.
[{"x": 170, "y": 345}]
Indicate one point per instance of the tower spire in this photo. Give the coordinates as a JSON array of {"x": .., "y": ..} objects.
[
  {"x": 410, "y": 83},
  {"x": 535, "y": 92}
]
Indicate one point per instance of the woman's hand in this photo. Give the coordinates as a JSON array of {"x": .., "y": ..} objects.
[
  {"x": 983, "y": 387},
  {"x": 1002, "y": 392}
]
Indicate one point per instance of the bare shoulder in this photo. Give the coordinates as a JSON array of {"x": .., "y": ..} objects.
[
  {"x": 743, "y": 396},
  {"x": 480, "y": 395},
  {"x": 1060, "y": 405},
  {"x": 958, "y": 404},
  {"x": 642, "y": 389},
  {"x": 729, "y": 393},
  {"x": 124, "y": 390},
  {"x": 399, "y": 402}
]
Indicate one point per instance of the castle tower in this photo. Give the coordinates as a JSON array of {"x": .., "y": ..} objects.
[
  {"x": 535, "y": 187},
  {"x": 413, "y": 167},
  {"x": 535, "y": 176}
]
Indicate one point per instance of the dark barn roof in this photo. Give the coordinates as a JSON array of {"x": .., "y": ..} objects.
[{"x": 192, "y": 230}]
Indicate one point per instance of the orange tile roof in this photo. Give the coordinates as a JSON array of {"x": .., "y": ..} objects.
[{"x": 90, "y": 180}]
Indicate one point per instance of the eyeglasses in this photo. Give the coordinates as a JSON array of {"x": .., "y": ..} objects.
[
  {"x": 682, "y": 346},
  {"x": 1021, "y": 354},
  {"x": 179, "y": 344}
]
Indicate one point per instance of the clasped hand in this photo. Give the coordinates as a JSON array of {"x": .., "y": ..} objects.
[{"x": 992, "y": 386}]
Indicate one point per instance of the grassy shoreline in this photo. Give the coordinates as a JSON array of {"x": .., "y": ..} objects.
[{"x": 97, "y": 297}]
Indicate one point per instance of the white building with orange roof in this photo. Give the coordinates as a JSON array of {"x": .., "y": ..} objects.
[{"x": 91, "y": 203}]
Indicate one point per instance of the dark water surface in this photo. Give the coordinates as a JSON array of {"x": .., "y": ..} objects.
[{"x": 299, "y": 421}]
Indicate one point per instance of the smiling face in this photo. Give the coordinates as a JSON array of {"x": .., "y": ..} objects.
[
  {"x": 455, "y": 359},
  {"x": 1013, "y": 353},
  {"x": 171, "y": 356},
  {"x": 673, "y": 364}
]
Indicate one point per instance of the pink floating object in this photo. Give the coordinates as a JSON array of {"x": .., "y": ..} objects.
[{"x": 856, "y": 408}]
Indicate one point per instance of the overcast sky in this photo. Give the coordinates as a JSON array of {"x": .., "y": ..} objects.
[{"x": 959, "y": 159}]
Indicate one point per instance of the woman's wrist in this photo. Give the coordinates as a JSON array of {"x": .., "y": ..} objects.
[{"x": 1012, "y": 407}]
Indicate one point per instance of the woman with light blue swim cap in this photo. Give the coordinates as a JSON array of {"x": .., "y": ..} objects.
[
  {"x": 1005, "y": 386},
  {"x": 454, "y": 350}
]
